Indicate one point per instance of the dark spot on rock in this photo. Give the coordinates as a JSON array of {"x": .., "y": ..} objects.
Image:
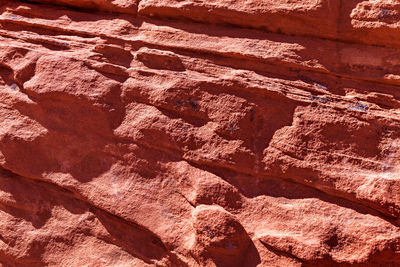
[
  {"x": 332, "y": 241},
  {"x": 384, "y": 13},
  {"x": 233, "y": 127},
  {"x": 209, "y": 232},
  {"x": 193, "y": 103},
  {"x": 230, "y": 246},
  {"x": 252, "y": 114},
  {"x": 179, "y": 103}
]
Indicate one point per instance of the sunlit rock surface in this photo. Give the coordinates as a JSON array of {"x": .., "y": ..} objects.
[{"x": 199, "y": 133}]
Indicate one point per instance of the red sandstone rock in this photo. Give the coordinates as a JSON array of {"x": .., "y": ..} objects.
[
  {"x": 122, "y": 6},
  {"x": 269, "y": 139},
  {"x": 372, "y": 22}
]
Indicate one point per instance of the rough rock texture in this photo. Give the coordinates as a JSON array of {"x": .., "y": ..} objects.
[{"x": 200, "y": 133}]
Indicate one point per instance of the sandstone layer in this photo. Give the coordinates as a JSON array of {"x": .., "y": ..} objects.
[{"x": 199, "y": 133}]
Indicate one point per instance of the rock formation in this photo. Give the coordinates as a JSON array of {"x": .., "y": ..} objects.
[{"x": 200, "y": 133}]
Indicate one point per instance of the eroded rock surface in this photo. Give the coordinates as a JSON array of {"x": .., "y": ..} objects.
[{"x": 199, "y": 133}]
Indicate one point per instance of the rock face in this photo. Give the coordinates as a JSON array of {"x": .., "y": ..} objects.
[{"x": 199, "y": 133}]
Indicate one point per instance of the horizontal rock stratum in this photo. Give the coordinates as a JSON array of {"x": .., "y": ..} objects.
[{"x": 199, "y": 133}]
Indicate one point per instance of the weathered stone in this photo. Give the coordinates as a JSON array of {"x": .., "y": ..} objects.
[{"x": 199, "y": 133}]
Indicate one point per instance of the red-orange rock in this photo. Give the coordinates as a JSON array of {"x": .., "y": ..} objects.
[
  {"x": 122, "y": 6},
  {"x": 199, "y": 133}
]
